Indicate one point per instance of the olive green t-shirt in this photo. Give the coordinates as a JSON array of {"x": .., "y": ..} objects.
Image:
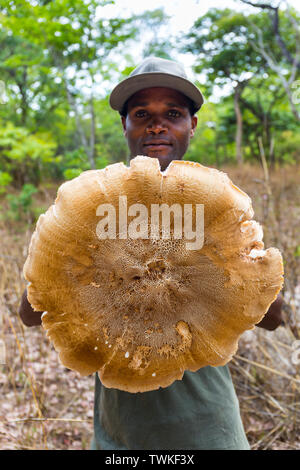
[{"x": 201, "y": 411}]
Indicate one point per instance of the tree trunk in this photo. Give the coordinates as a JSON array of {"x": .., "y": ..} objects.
[
  {"x": 217, "y": 153},
  {"x": 22, "y": 85},
  {"x": 272, "y": 153},
  {"x": 239, "y": 124},
  {"x": 93, "y": 128},
  {"x": 79, "y": 127}
]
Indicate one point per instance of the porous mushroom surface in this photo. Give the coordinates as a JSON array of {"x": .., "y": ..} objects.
[{"x": 141, "y": 311}]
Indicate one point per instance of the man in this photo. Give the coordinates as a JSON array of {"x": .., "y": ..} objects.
[{"x": 157, "y": 104}]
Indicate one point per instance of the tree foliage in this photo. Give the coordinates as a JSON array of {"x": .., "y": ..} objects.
[
  {"x": 60, "y": 59},
  {"x": 223, "y": 42}
]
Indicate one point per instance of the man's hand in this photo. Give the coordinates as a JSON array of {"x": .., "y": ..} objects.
[
  {"x": 28, "y": 316},
  {"x": 273, "y": 318}
]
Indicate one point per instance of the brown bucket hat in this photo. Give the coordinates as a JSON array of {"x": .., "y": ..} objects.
[{"x": 155, "y": 72}]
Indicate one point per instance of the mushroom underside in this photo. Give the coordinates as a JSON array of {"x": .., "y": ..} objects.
[{"x": 141, "y": 311}]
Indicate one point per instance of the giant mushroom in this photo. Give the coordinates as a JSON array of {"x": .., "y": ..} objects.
[{"x": 140, "y": 311}]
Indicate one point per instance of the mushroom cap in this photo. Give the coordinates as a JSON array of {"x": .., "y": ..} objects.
[{"x": 141, "y": 311}]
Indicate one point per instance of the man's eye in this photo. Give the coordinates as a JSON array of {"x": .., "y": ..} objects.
[
  {"x": 174, "y": 113},
  {"x": 141, "y": 113}
]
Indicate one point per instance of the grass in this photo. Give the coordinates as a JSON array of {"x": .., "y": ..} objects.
[{"x": 43, "y": 405}]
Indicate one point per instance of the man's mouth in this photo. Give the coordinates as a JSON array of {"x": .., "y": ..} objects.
[{"x": 157, "y": 145}]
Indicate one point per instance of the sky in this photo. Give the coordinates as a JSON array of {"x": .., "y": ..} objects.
[{"x": 182, "y": 13}]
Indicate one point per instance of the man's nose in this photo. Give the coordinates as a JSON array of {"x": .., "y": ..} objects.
[{"x": 157, "y": 126}]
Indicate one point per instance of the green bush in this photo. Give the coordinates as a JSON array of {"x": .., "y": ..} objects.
[
  {"x": 20, "y": 205},
  {"x": 71, "y": 173},
  {"x": 5, "y": 180}
]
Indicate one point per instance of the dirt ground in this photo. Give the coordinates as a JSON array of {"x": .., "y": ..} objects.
[{"x": 43, "y": 405}]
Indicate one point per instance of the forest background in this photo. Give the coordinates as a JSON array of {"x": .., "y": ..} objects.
[{"x": 59, "y": 60}]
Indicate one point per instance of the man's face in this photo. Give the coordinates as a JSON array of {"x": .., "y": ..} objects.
[{"x": 159, "y": 125}]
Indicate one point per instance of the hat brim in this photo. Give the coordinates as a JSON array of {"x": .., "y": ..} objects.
[{"x": 128, "y": 87}]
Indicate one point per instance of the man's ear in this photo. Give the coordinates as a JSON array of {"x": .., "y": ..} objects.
[
  {"x": 194, "y": 125},
  {"x": 123, "y": 119}
]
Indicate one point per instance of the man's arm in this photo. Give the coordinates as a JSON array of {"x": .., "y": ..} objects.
[
  {"x": 28, "y": 316},
  {"x": 273, "y": 318}
]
